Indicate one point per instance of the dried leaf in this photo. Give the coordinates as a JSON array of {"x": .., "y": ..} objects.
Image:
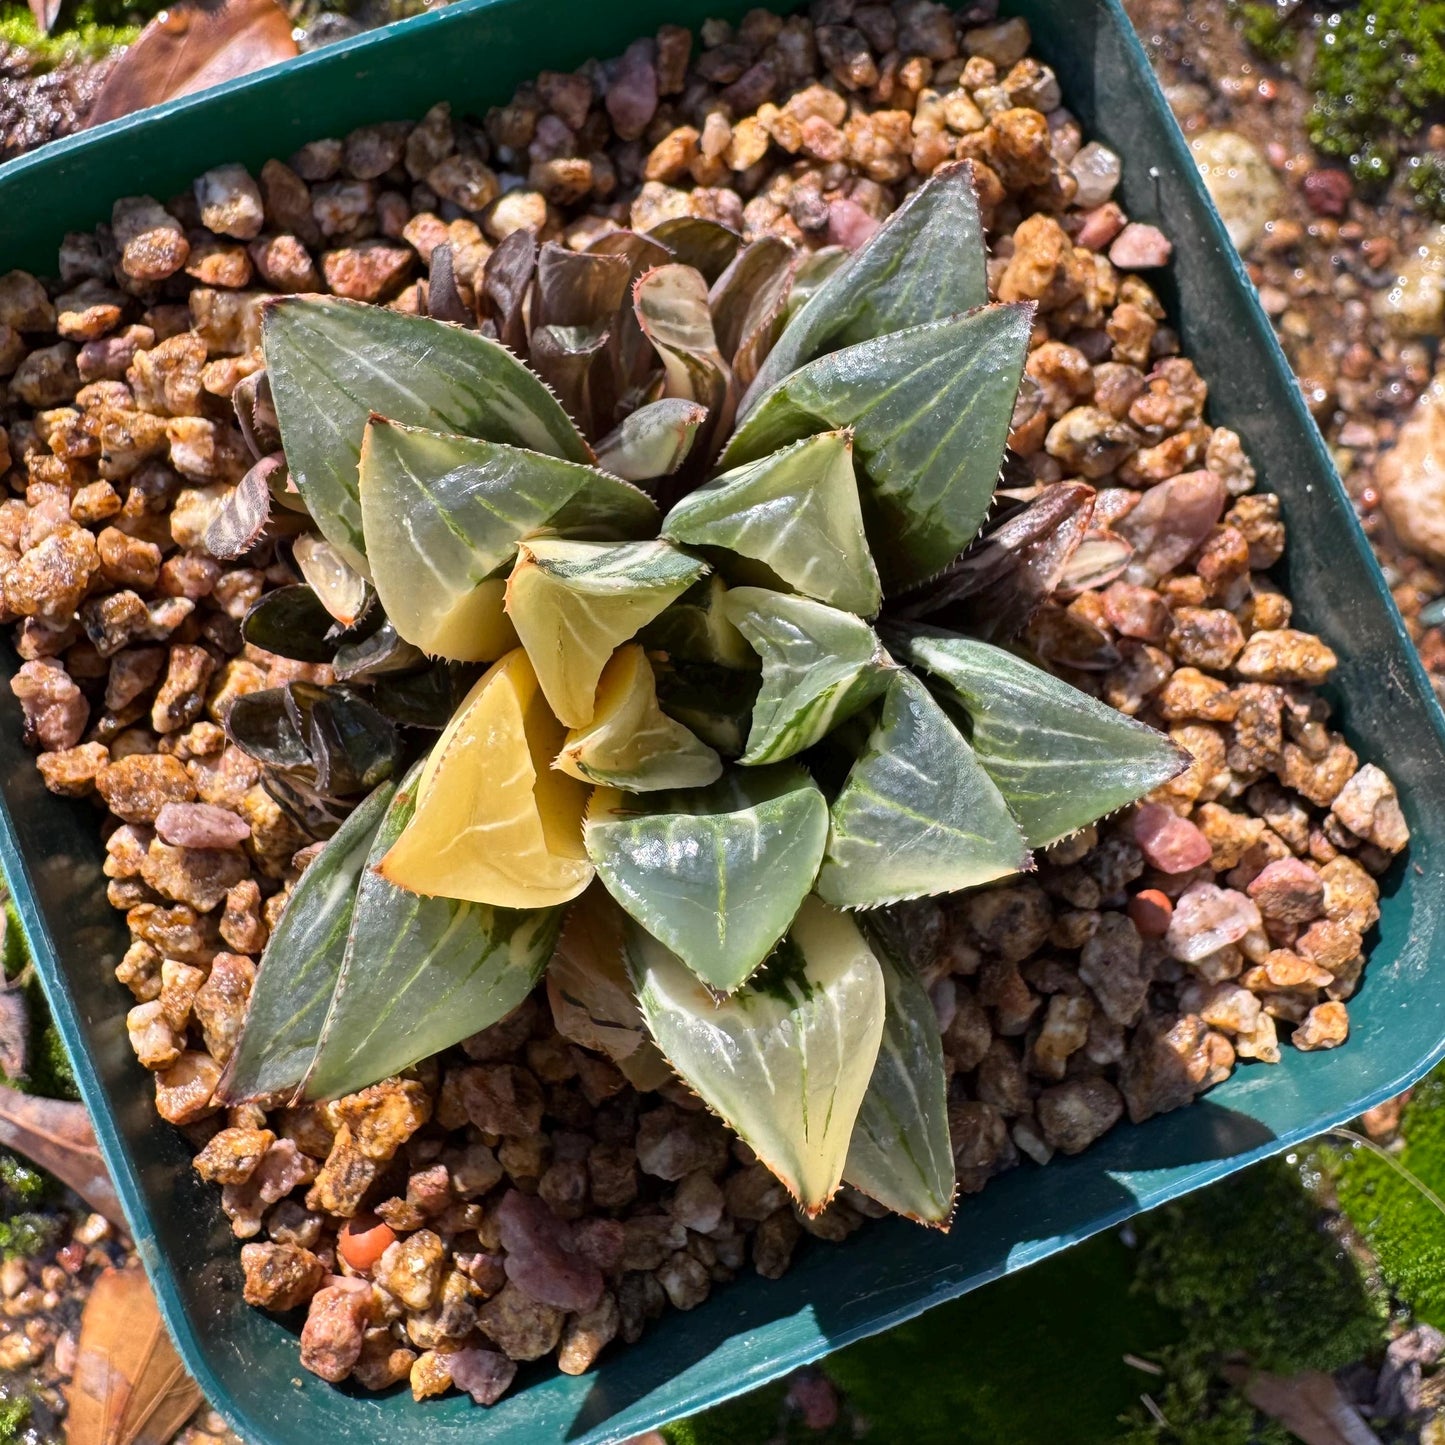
[
  {"x": 14, "y": 1033},
  {"x": 191, "y": 46},
  {"x": 56, "y": 1135},
  {"x": 129, "y": 1387},
  {"x": 1310, "y": 1405},
  {"x": 46, "y": 12},
  {"x": 629, "y": 353},
  {"x": 579, "y": 289},
  {"x": 566, "y": 357},
  {"x": 706, "y": 246},
  {"x": 1099, "y": 560},
  {"x": 256, "y": 414},
  {"x": 750, "y": 303}
]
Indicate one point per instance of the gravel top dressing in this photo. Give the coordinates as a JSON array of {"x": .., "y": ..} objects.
[{"x": 549, "y": 1185}]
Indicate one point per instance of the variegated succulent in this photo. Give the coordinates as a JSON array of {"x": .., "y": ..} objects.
[{"x": 729, "y": 718}]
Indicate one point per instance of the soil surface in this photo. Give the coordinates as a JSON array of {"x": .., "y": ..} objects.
[{"x": 1321, "y": 276}]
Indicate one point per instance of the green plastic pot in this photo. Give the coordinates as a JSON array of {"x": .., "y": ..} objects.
[{"x": 753, "y": 1330}]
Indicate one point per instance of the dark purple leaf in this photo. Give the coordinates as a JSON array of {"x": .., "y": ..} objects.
[
  {"x": 997, "y": 585},
  {"x": 505, "y": 278},
  {"x": 443, "y": 300}
]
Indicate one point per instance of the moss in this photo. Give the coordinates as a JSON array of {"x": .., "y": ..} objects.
[
  {"x": 751, "y": 1419},
  {"x": 1402, "y": 1226},
  {"x": 1379, "y": 70},
  {"x": 984, "y": 1368},
  {"x": 1426, "y": 178},
  {"x": 27, "y": 1235},
  {"x": 14, "y": 1415},
  {"x": 1266, "y": 30},
  {"x": 21, "y": 1183},
  {"x": 50, "y": 1071},
  {"x": 1251, "y": 1270},
  {"x": 89, "y": 30}
]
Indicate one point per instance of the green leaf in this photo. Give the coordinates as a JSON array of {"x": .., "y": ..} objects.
[
  {"x": 301, "y": 964},
  {"x": 797, "y": 512},
  {"x": 918, "y": 814},
  {"x": 652, "y": 441},
  {"x": 443, "y": 514},
  {"x": 331, "y": 363},
  {"x": 901, "y": 1154},
  {"x": 630, "y": 742},
  {"x": 672, "y": 309},
  {"x": 572, "y": 603},
  {"x": 1060, "y": 758},
  {"x": 925, "y": 262},
  {"x": 786, "y": 1061},
  {"x": 696, "y": 629},
  {"x": 718, "y": 873},
  {"x": 421, "y": 973},
  {"x": 930, "y": 410},
  {"x": 820, "y": 666}
]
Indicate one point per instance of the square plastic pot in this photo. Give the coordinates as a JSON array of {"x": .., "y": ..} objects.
[{"x": 474, "y": 54}]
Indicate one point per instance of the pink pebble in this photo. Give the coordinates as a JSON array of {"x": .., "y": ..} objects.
[
  {"x": 200, "y": 825},
  {"x": 849, "y": 225},
  {"x": 539, "y": 1256},
  {"x": 1206, "y": 919},
  {"x": 483, "y": 1374},
  {"x": 1169, "y": 843},
  {"x": 1140, "y": 248},
  {"x": 1100, "y": 226}
]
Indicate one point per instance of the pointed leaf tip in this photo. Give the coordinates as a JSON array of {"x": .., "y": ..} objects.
[
  {"x": 333, "y": 362},
  {"x": 930, "y": 407},
  {"x": 918, "y": 814},
  {"x": 795, "y": 511},
  {"x": 1061, "y": 758},
  {"x": 785, "y": 1061},
  {"x": 716, "y": 874}
]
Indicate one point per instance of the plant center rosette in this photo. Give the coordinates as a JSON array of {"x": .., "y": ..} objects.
[{"x": 703, "y": 604}]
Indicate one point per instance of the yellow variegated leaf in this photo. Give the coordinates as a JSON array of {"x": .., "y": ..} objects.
[
  {"x": 495, "y": 822},
  {"x": 574, "y": 603},
  {"x": 630, "y": 742}
]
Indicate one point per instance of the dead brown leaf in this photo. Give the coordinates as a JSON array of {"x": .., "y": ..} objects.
[
  {"x": 1311, "y": 1406},
  {"x": 129, "y": 1386},
  {"x": 194, "y": 44},
  {"x": 45, "y": 13},
  {"x": 57, "y": 1136}
]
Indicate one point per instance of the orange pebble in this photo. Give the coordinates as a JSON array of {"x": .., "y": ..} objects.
[
  {"x": 364, "y": 1240},
  {"x": 1151, "y": 911}
]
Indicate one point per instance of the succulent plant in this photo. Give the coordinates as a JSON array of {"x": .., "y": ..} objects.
[{"x": 715, "y": 538}]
